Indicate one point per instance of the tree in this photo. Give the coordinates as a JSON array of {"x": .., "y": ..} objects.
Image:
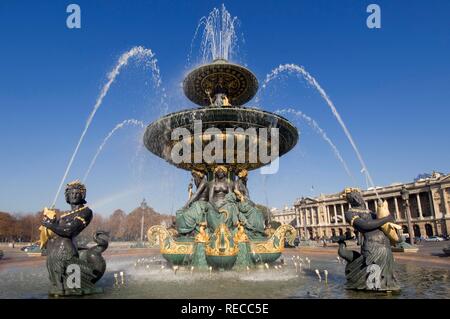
[
  {"x": 121, "y": 226},
  {"x": 7, "y": 225}
]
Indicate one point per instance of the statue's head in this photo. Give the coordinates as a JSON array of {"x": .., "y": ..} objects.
[
  {"x": 197, "y": 175},
  {"x": 243, "y": 174},
  {"x": 220, "y": 171},
  {"x": 354, "y": 197},
  {"x": 75, "y": 193}
]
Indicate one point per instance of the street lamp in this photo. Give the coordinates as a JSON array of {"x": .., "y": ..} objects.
[
  {"x": 405, "y": 196},
  {"x": 143, "y": 208}
]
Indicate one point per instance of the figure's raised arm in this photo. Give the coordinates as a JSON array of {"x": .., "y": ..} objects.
[
  {"x": 364, "y": 225},
  {"x": 69, "y": 230},
  {"x": 201, "y": 188}
]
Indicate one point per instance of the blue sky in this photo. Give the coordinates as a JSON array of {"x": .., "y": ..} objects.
[{"x": 391, "y": 86}]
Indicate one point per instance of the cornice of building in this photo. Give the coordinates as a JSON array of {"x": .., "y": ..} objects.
[{"x": 438, "y": 182}]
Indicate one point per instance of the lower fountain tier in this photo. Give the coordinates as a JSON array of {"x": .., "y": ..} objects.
[
  {"x": 222, "y": 250},
  {"x": 158, "y": 135}
]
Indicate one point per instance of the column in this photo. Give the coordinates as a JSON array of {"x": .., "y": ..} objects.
[
  {"x": 343, "y": 215},
  {"x": 397, "y": 212},
  {"x": 445, "y": 213},
  {"x": 328, "y": 215},
  {"x": 419, "y": 206},
  {"x": 430, "y": 199},
  {"x": 335, "y": 215},
  {"x": 444, "y": 198},
  {"x": 301, "y": 216}
]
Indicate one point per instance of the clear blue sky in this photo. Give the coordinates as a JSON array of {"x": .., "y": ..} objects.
[{"x": 390, "y": 85}]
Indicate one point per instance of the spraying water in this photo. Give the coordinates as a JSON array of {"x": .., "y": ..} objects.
[
  {"x": 219, "y": 35},
  {"x": 142, "y": 54},
  {"x": 110, "y": 134},
  {"x": 300, "y": 70},
  {"x": 313, "y": 124}
]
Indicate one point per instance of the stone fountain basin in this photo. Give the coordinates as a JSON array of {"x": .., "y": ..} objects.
[
  {"x": 221, "y": 262},
  {"x": 157, "y": 138},
  {"x": 265, "y": 258}
]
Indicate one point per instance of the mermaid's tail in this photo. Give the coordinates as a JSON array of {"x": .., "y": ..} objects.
[{"x": 93, "y": 256}]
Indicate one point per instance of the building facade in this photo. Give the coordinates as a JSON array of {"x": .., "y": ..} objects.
[
  {"x": 429, "y": 200},
  {"x": 283, "y": 216}
]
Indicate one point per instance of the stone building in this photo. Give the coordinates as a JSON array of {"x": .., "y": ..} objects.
[
  {"x": 429, "y": 200},
  {"x": 283, "y": 216}
]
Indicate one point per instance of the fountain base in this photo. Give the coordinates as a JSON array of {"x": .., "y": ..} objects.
[{"x": 233, "y": 255}]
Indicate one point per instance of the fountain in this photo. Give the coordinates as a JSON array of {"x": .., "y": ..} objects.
[{"x": 220, "y": 226}]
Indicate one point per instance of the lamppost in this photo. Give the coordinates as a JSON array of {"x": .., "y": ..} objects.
[
  {"x": 143, "y": 208},
  {"x": 405, "y": 196}
]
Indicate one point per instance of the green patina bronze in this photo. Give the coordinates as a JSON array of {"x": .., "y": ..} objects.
[{"x": 219, "y": 226}]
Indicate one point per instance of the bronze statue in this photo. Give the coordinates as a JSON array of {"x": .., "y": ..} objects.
[
  {"x": 223, "y": 200},
  {"x": 373, "y": 267},
  {"x": 255, "y": 223},
  {"x": 72, "y": 271},
  {"x": 193, "y": 214}
]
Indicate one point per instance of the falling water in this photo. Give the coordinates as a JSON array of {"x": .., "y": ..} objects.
[
  {"x": 300, "y": 70},
  {"x": 110, "y": 134},
  {"x": 313, "y": 124},
  {"x": 219, "y": 35},
  {"x": 142, "y": 54}
]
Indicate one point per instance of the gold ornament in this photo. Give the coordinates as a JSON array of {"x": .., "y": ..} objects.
[
  {"x": 77, "y": 184},
  {"x": 243, "y": 173},
  {"x": 44, "y": 233},
  {"x": 198, "y": 173},
  {"x": 348, "y": 190},
  {"x": 202, "y": 236},
  {"x": 167, "y": 245},
  {"x": 222, "y": 243},
  {"x": 225, "y": 100},
  {"x": 389, "y": 229},
  {"x": 275, "y": 244},
  {"x": 240, "y": 236},
  {"x": 221, "y": 167}
]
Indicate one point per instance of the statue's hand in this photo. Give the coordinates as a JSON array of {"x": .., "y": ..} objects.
[
  {"x": 390, "y": 218},
  {"x": 46, "y": 222},
  {"x": 49, "y": 213}
]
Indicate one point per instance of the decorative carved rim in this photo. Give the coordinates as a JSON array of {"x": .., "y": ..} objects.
[{"x": 239, "y": 84}]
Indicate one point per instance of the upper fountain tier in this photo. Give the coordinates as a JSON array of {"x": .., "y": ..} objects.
[
  {"x": 221, "y": 88},
  {"x": 220, "y": 84}
]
